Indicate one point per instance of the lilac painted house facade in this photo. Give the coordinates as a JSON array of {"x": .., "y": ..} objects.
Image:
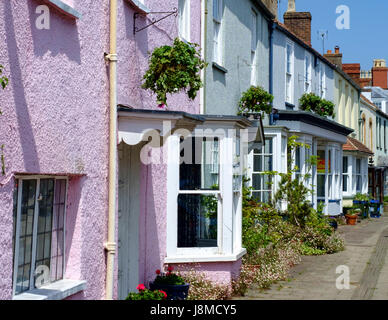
[{"x": 54, "y": 214}]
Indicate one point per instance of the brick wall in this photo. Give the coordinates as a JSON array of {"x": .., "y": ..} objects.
[{"x": 300, "y": 24}]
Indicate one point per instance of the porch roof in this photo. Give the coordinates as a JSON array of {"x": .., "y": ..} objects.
[
  {"x": 315, "y": 120},
  {"x": 354, "y": 145},
  {"x": 135, "y": 124}
]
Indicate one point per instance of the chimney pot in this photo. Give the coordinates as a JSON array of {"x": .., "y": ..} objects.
[{"x": 337, "y": 49}]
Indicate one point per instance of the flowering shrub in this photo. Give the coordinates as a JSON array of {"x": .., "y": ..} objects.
[
  {"x": 168, "y": 278},
  {"x": 272, "y": 264},
  {"x": 145, "y": 294},
  {"x": 313, "y": 103},
  {"x": 202, "y": 288}
]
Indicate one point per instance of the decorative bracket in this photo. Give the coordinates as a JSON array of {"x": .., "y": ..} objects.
[{"x": 168, "y": 14}]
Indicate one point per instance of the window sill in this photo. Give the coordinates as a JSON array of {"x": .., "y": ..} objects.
[
  {"x": 208, "y": 258},
  {"x": 220, "y": 68},
  {"x": 289, "y": 106},
  {"x": 139, "y": 6},
  {"x": 54, "y": 291},
  {"x": 66, "y": 9}
]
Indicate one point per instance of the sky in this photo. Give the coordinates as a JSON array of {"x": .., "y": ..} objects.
[{"x": 365, "y": 40}]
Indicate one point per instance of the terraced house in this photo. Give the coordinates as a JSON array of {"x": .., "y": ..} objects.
[
  {"x": 95, "y": 198},
  {"x": 356, "y": 154},
  {"x": 298, "y": 69}
]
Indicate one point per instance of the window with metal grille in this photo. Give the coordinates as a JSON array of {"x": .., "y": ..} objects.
[{"x": 39, "y": 225}]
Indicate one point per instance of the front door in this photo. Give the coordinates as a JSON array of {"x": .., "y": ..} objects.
[{"x": 128, "y": 211}]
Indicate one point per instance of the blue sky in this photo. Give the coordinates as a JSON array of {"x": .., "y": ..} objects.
[{"x": 364, "y": 41}]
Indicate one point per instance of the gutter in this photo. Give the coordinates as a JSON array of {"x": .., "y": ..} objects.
[
  {"x": 110, "y": 245},
  {"x": 204, "y": 16}
]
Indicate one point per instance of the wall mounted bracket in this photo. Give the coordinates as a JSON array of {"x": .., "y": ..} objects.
[{"x": 136, "y": 14}]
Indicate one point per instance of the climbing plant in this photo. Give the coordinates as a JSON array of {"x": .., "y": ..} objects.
[
  {"x": 255, "y": 100},
  {"x": 174, "y": 68},
  {"x": 313, "y": 103},
  {"x": 3, "y": 83}
]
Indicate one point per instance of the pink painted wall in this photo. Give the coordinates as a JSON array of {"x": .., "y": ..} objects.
[
  {"x": 133, "y": 62},
  {"x": 133, "y": 53},
  {"x": 55, "y": 121}
]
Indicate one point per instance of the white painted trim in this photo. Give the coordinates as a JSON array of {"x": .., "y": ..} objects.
[
  {"x": 54, "y": 291},
  {"x": 209, "y": 258},
  {"x": 17, "y": 236},
  {"x": 66, "y": 9}
]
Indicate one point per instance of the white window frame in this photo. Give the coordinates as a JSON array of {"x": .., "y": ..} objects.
[
  {"x": 229, "y": 241},
  {"x": 262, "y": 154},
  {"x": 254, "y": 41},
  {"x": 307, "y": 72},
  {"x": 289, "y": 74},
  {"x": 217, "y": 31},
  {"x": 322, "y": 80},
  {"x": 358, "y": 175},
  {"x": 20, "y": 180},
  {"x": 184, "y": 19},
  {"x": 347, "y": 174}
]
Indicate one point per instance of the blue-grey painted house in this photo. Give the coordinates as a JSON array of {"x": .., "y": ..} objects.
[{"x": 296, "y": 68}]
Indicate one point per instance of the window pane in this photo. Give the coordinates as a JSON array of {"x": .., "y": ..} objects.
[
  {"x": 267, "y": 163},
  {"x": 43, "y": 245},
  {"x": 58, "y": 230},
  {"x": 345, "y": 165},
  {"x": 25, "y": 236},
  {"x": 256, "y": 181},
  {"x": 345, "y": 183},
  {"x": 321, "y": 186},
  {"x": 358, "y": 166},
  {"x": 197, "y": 220},
  {"x": 200, "y": 164},
  {"x": 268, "y": 146},
  {"x": 257, "y": 195}
]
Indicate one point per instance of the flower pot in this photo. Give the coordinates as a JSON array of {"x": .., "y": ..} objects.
[
  {"x": 351, "y": 220},
  {"x": 174, "y": 292}
]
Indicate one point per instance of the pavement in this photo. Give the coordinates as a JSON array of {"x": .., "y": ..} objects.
[{"x": 315, "y": 278}]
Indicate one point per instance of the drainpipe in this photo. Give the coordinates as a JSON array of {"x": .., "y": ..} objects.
[
  {"x": 271, "y": 31},
  {"x": 204, "y": 15},
  {"x": 110, "y": 245}
]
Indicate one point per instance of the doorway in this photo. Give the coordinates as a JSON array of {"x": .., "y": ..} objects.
[{"x": 128, "y": 219}]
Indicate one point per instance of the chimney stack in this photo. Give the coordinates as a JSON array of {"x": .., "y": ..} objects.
[
  {"x": 380, "y": 74},
  {"x": 298, "y": 22},
  {"x": 272, "y": 6},
  {"x": 334, "y": 58}
]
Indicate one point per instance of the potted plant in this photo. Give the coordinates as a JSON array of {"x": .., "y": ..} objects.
[
  {"x": 145, "y": 294},
  {"x": 313, "y": 103},
  {"x": 255, "y": 101},
  {"x": 362, "y": 201},
  {"x": 352, "y": 215},
  {"x": 174, "y": 68},
  {"x": 171, "y": 283}
]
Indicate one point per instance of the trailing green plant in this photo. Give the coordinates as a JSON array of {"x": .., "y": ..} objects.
[
  {"x": 313, "y": 103},
  {"x": 256, "y": 100},
  {"x": 173, "y": 69}
]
